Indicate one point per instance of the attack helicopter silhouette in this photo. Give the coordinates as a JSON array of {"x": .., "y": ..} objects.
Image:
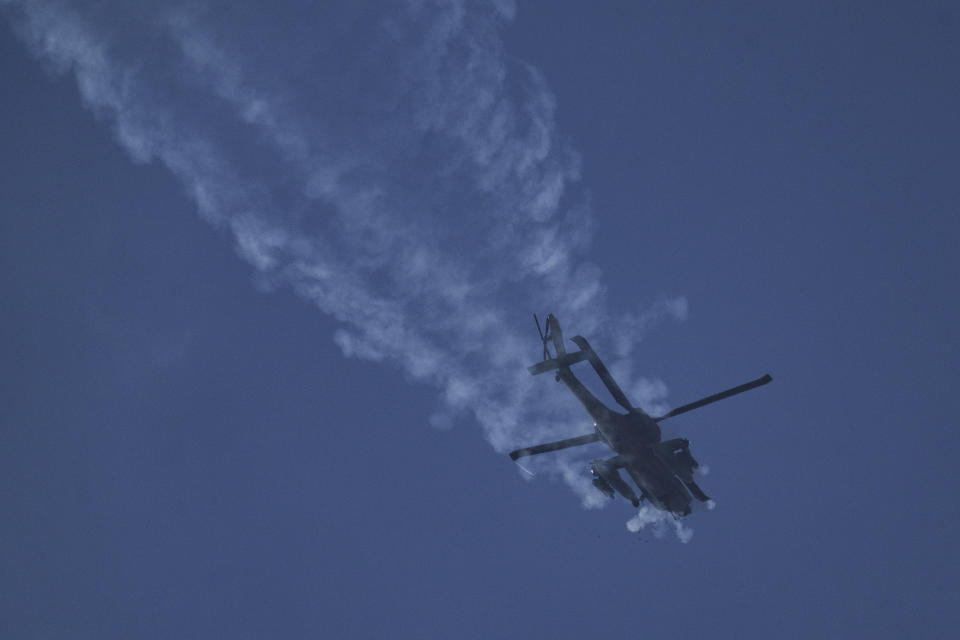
[{"x": 662, "y": 470}]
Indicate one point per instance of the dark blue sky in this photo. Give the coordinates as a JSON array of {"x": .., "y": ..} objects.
[{"x": 187, "y": 452}]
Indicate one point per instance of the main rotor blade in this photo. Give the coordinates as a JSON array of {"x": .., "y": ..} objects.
[
  {"x": 603, "y": 372},
  {"x": 555, "y": 446},
  {"x": 753, "y": 384}
]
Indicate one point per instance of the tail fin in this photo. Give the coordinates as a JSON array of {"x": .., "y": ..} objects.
[{"x": 554, "y": 331}]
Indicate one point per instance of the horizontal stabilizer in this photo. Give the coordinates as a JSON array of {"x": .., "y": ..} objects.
[
  {"x": 555, "y": 446},
  {"x": 753, "y": 384},
  {"x": 555, "y": 363}
]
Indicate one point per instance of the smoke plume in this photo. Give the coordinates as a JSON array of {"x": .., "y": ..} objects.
[{"x": 389, "y": 162}]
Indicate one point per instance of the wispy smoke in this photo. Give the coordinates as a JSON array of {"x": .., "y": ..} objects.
[{"x": 393, "y": 165}]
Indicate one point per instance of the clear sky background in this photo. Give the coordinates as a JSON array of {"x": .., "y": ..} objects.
[{"x": 287, "y": 416}]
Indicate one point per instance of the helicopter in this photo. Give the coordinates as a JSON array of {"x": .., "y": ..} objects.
[{"x": 663, "y": 471}]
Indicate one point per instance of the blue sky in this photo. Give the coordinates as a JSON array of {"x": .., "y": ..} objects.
[{"x": 269, "y": 274}]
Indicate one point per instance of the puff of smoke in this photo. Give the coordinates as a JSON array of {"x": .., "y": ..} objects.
[{"x": 658, "y": 521}]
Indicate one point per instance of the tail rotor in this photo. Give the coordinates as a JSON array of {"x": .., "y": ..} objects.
[{"x": 544, "y": 337}]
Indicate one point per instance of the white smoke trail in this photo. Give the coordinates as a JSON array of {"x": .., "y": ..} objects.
[{"x": 393, "y": 166}]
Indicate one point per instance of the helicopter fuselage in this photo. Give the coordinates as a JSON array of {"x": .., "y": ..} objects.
[
  {"x": 636, "y": 438},
  {"x": 662, "y": 470}
]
